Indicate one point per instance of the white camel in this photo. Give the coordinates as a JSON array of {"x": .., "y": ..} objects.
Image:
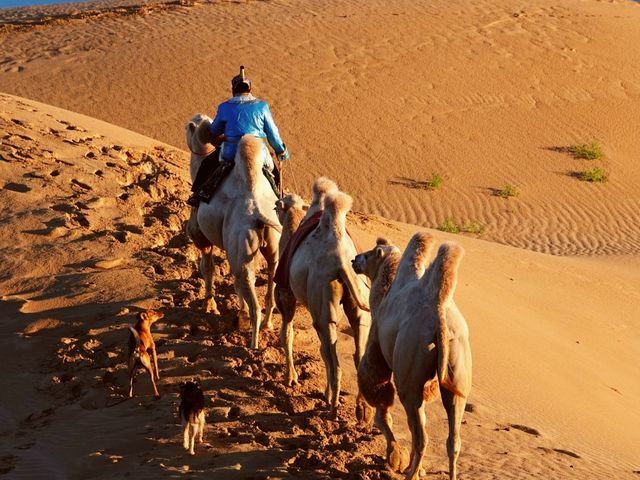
[
  {"x": 238, "y": 219},
  {"x": 321, "y": 278},
  {"x": 419, "y": 336}
]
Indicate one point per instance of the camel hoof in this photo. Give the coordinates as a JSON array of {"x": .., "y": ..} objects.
[
  {"x": 292, "y": 382},
  {"x": 398, "y": 458},
  {"x": 364, "y": 414},
  {"x": 333, "y": 413},
  {"x": 156, "y": 396}
]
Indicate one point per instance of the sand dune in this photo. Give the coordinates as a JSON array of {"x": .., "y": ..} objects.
[
  {"x": 381, "y": 95},
  {"x": 92, "y": 232}
]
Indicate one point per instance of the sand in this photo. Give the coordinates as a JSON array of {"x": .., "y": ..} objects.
[
  {"x": 384, "y": 95},
  {"x": 379, "y": 96}
]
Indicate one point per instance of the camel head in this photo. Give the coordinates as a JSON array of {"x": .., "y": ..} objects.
[
  {"x": 368, "y": 263},
  {"x": 198, "y": 134},
  {"x": 288, "y": 202}
]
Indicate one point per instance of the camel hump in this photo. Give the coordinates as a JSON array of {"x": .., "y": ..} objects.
[
  {"x": 415, "y": 258},
  {"x": 336, "y": 206},
  {"x": 321, "y": 187},
  {"x": 249, "y": 159},
  {"x": 440, "y": 282}
]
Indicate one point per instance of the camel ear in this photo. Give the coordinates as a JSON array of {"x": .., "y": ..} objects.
[
  {"x": 144, "y": 316},
  {"x": 192, "y": 126},
  {"x": 382, "y": 241},
  {"x": 280, "y": 204},
  {"x": 379, "y": 252}
]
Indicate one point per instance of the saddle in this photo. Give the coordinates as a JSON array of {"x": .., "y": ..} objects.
[{"x": 281, "y": 277}]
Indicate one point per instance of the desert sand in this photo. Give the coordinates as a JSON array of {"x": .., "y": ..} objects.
[{"x": 378, "y": 96}]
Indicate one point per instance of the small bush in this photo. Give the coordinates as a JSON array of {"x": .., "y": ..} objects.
[
  {"x": 434, "y": 182},
  {"x": 449, "y": 226},
  {"x": 588, "y": 151},
  {"x": 508, "y": 191},
  {"x": 596, "y": 174},
  {"x": 472, "y": 226}
]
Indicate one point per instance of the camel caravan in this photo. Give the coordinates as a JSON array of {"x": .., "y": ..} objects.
[{"x": 409, "y": 335}]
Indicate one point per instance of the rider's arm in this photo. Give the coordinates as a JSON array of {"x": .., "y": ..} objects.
[
  {"x": 218, "y": 124},
  {"x": 273, "y": 136}
]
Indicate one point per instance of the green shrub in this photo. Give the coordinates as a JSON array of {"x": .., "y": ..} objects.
[
  {"x": 596, "y": 174},
  {"x": 434, "y": 182},
  {"x": 449, "y": 226},
  {"x": 508, "y": 191},
  {"x": 472, "y": 226},
  {"x": 588, "y": 151}
]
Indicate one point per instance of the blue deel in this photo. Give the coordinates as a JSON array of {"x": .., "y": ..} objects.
[{"x": 246, "y": 115}]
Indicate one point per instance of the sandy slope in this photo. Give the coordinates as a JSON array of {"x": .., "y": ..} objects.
[
  {"x": 382, "y": 95},
  {"x": 92, "y": 231}
]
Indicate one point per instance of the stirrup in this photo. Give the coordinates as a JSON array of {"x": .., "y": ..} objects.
[{"x": 194, "y": 200}]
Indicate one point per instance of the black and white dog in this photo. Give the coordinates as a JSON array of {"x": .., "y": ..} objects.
[{"x": 191, "y": 413}]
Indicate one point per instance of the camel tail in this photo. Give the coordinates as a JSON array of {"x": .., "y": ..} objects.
[
  {"x": 267, "y": 222},
  {"x": 441, "y": 280}
]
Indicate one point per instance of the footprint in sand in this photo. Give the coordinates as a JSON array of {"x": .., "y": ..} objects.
[
  {"x": 525, "y": 429},
  {"x": 17, "y": 187}
]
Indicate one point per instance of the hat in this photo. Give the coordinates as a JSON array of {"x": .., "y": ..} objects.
[{"x": 238, "y": 79}]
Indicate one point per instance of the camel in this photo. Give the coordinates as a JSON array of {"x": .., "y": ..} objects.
[
  {"x": 418, "y": 335},
  {"x": 238, "y": 219},
  {"x": 319, "y": 271}
]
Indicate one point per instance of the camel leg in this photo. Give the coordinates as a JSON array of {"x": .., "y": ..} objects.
[
  {"x": 286, "y": 302},
  {"x": 206, "y": 270},
  {"x": 416, "y": 418},
  {"x": 337, "y": 371},
  {"x": 454, "y": 405},
  {"x": 360, "y": 322},
  {"x": 245, "y": 287},
  {"x": 271, "y": 257},
  {"x": 374, "y": 383},
  {"x": 327, "y": 332}
]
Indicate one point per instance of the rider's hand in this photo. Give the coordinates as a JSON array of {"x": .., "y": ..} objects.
[{"x": 284, "y": 155}]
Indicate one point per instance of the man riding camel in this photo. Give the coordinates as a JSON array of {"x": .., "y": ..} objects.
[{"x": 242, "y": 114}]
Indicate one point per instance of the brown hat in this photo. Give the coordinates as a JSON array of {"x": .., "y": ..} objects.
[{"x": 238, "y": 79}]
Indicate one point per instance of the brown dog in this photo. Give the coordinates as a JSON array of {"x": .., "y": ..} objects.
[{"x": 140, "y": 342}]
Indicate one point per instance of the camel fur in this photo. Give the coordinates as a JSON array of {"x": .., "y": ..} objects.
[
  {"x": 322, "y": 279},
  {"x": 419, "y": 336},
  {"x": 240, "y": 220}
]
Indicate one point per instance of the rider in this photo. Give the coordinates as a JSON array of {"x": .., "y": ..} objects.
[{"x": 243, "y": 114}]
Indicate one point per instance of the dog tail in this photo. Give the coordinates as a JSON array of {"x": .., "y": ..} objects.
[
  {"x": 441, "y": 279},
  {"x": 135, "y": 335}
]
